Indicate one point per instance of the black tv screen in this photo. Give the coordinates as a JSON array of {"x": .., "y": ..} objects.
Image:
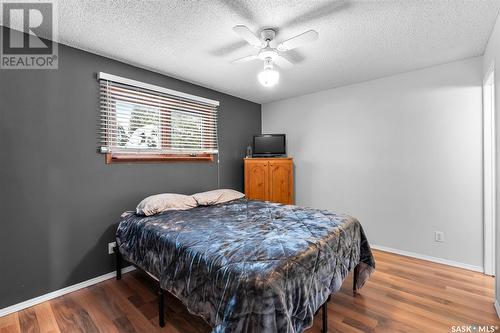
[{"x": 269, "y": 145}]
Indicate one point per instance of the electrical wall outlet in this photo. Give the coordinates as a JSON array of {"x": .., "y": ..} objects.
[
  {"x": 439, "y": 236},
  {"x": 111, "y": 247}
]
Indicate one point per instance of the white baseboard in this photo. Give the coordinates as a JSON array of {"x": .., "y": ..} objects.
[
  {"x": 60, "y": 292},
  {"x": 497, "y": 308},
  {"x": 429, "y": 258},
  {"x": 84, "y": 284}
]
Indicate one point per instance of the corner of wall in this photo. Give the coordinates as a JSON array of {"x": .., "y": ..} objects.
[{"x": 490, "y": 57}]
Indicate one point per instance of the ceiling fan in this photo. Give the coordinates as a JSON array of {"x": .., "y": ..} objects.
[{"x": 270, "y": 55}]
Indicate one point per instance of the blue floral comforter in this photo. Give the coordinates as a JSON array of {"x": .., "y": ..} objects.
[{"x": 248, "y": 266}]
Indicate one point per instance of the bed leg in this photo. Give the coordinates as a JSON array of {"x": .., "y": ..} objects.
[
  {"x": 161, "y": 307},
  {"x": 354, "y": 280},
  {"x": 324, "y": 310},
  {"x": 118, "y": 258}
]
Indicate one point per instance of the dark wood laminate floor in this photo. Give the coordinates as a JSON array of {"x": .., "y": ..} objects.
[{"x": 404, "y": 295}]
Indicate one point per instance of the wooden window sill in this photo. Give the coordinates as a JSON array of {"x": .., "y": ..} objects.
[{"x": 156, "y": 158}]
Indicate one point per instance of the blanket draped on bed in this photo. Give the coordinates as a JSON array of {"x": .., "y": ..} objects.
[{"x": 248, "y": 266}]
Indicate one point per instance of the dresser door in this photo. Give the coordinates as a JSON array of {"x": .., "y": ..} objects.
[
  {"x": 256, "y": 179},
  {"x": 281, "y": 181}
]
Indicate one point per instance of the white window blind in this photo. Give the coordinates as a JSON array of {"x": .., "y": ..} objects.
[{"x": 140, "y": 118}]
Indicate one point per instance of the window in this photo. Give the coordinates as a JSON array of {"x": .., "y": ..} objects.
[
  {"x": 137, "y": 126},
  {"x": 186, "y": 128},
  {"x": 142, "y": 122}
]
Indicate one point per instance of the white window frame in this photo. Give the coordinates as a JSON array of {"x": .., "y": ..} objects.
[{"x": 183, "y": 103}]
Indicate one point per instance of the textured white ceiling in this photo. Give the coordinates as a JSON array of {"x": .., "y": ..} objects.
[{"x": 359, "y": 40}]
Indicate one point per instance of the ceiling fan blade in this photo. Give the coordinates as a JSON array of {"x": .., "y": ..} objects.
[
  {"x": 283, "y": 62},
  {"x": 299, "y": 40},
  {"x": 245, "y": 59},
  {"x": 247, "y": 35}
]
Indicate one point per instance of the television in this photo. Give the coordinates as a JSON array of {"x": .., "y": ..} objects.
[{"x": 269, "y": 145}]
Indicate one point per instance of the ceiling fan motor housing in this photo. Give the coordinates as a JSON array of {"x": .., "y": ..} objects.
[
  {"x": 268, "y": 53},
  {"x": 267, "y": 35}
]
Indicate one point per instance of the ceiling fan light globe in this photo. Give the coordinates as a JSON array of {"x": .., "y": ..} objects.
[{"x": 269, "y": 77}]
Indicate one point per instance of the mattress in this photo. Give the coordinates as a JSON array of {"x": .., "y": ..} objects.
[{"x": 248, "y": 266}]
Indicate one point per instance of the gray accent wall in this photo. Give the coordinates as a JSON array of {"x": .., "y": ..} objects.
[{"x": 60, "y": 202}]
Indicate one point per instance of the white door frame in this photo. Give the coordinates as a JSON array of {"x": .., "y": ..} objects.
[{"x": 489, "y": 164}]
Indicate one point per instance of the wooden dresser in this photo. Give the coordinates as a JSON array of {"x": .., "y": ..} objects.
[{"x": 269, "y": 179}]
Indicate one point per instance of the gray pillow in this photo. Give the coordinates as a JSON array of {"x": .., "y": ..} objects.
[
  {"x": 217, "y": 196},
  {"x": 166, "y": 201}
]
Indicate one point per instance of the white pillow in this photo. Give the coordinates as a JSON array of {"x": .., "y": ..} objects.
[
  {"x": 217, "y": 196},
  {"x": 166, "y": 201}
]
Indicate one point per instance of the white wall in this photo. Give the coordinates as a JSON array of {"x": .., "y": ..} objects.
[
  {"x": 492, "y": 56},
  {"x": 403, "y": 154}
]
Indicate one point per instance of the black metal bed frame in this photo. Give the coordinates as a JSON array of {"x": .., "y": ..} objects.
[{"x": 161, "y": 293}]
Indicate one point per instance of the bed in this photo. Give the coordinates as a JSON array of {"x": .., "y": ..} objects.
[{"x": 248, "y": 266}]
